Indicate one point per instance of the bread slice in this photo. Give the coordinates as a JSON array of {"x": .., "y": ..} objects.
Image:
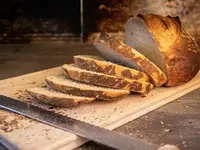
[
  {"x": 104, "y": 80},
  {"x": 55, "y": 98},
  {"x": 98, "y": 64},
  {"x": 65, "y": 85},
  {"x": 118, "y": 52},
  {"x": 166, "y": 43}
]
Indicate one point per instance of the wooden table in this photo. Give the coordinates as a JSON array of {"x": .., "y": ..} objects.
[{"x": 176, "y": 123}]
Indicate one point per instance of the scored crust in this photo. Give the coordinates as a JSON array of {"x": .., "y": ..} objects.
[
  {"x": 180, "y": 51},
  {"x": 52, "y": 97},
  {"x": 106, "y": 80},
  {"x": 68, "y": 86},
  {"x": 98, "y": 64},
  {"x": 158, "y": 78}
]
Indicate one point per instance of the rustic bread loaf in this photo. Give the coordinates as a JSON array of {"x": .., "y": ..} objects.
[
  {"x": 55, "y": 98},
  {"x": 98, "y": 64},
  {"x": 118, "y": 52},
  {"x": 68, "y": 86},
  {"x": 104, "y": 80},
  {"x": 166, "y": 43}
]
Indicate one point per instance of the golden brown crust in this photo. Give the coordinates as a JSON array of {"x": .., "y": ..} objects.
[
  {"x": 78, "y": 91},
  {"x": 180, "y": 51},
  {"x": 109, "y": 68},
  {"x": 58, "y": 101},
  {"x": 158, "y": 78},
  {"x": 107, "y": 80}
]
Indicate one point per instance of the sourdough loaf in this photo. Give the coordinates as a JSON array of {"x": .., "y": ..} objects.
[
  {"x": 118, "y": 52},
  {"x": 104, "y": 80},
  {"x": 166, "y": 43},
  {"x": 68, "y": 86},
  {"x": 49, "y": 96},
  {"x": 98, "y": 64}
]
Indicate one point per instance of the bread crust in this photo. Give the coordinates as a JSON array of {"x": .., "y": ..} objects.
[
  {"x": 158, "y": 78},
  {"x": 58, "y": 101},
  {"x": 109, "y": 68},
  {"x": 180, "y": 51},
  {"x": 107, "y": 80},
  {"x": 81, "y": 91}
]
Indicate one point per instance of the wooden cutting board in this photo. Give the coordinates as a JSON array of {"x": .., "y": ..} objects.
[{"x": 32, "y": 135}]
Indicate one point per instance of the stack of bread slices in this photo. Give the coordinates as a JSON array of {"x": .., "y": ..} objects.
[
  {"x": 156, "y": 51},
  {"x": 90, "y": 78}
]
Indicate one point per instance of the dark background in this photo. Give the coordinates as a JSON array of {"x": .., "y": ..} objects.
[
  {"x": 40, "y": 20},
  {"x": 41, "y": 16}
]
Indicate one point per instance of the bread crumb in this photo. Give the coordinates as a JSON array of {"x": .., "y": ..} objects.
[
  {"x": 166, "y": 130},
  {"x": 141, "y": 136},
  {"x": 43, "y": 86},
  {"x": 8, "y": 124},
  {"x": 48, "y": 138},
  {"x": 46, "y": 129},
  {"x": 186, "y": 107}
]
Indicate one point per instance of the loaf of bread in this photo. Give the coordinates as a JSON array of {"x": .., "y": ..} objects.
[
  {"x": 121, "y": 53},
  {"x": 166, "y": 43},
  {"x": 98, "y": 64},
  {"x": 156, "y": 50},
  {"x": 49, "y": 96},
  {"x": 104, "y": 80},
  {"x": 68, "y": 86}
]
